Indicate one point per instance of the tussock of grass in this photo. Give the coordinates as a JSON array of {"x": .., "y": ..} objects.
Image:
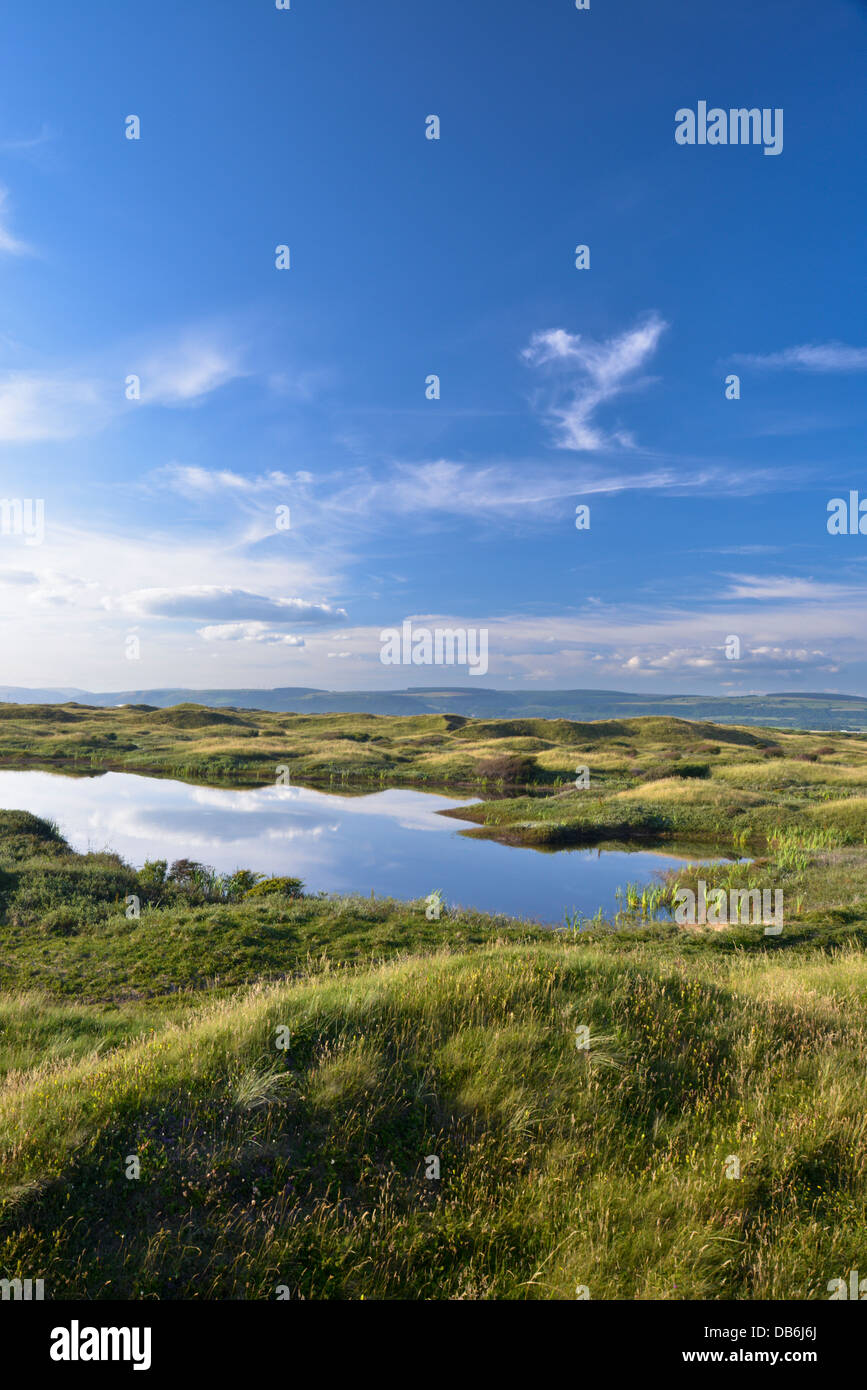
[{"x": 695, "y": 793}]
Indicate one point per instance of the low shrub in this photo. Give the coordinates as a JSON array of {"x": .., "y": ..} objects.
[
  {"x": 289, "y": 887},
  {"x": 506, "y": 767}
]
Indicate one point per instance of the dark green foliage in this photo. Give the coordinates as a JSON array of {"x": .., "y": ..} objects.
[
  {"x": 679, "y": 769},
  {"x": 511, "y": 769}
]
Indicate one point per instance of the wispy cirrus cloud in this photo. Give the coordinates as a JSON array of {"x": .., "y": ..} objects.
[
  {"x": 28, "y": 145},
  {"x": 600, "y": 371},
  {"x": 52, "y": 406},
  {"x": 504, "y": 491},
  {"x": 810, "y": 357},
  {"x": 195, "y": 482},
  {"x": 10, "y": 245},
  {"x": 36, "y": 407},
  {"x": 185, "y": 372},
  {"x": 766, "y": 587}
]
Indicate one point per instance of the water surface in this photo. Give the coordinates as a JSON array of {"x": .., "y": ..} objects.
[{"x": 391, "y": 842}]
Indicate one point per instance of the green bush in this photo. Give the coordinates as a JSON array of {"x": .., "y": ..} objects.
[
  {"x": 508, "y": 768},
  {"x": 678, "y": 769},
  {"x": 189, "y": 881},
  {"x": 289, "y": 887},
  {"x": 152, "y": 877},
  {"x": 86, "y": 889}
]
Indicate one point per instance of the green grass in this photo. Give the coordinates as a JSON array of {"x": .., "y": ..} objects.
[
  {"x": 303, "y": 1167},
  {"x": 559, "y": 1166}
]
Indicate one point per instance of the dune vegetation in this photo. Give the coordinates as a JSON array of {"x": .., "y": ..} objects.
[
  {"x": 226, "y": 1087},
  {"x": 653, "y": 777}
]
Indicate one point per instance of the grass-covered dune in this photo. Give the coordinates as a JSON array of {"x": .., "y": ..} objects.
[
  {"x": 229, "y": 745},
  {"x": 652, "y": 777},
  {"x": 302, "y": 1168},
  {"x": 669, "y": 779}
]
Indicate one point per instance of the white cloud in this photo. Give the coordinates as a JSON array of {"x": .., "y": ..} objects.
[
  {"x": 55, "y": 406},
  {"x": 604, "y": 644},
  {"x": 205, "y": 482},
  {"x": 37, "y": 407},
  {"x": 189, "y": 370},
  {"x": 810, "y": 357},
  {"x": 648, "y": 640},
  {"x": 604, "y": 372},
  {"x": 222, "y": 602},
  {"x": 775, "y": 660},
  {"x": 57, "y": 590},
  {"x": 18, "y": 577},
  {"x": 81, "y": 593},
  {"x": 767, "y": 587},
  {"x": 248, "y": 632}
]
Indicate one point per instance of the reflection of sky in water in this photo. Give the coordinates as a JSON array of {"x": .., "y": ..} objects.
[{"x": 391, "y": 842}]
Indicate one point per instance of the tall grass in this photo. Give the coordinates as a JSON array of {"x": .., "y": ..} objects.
[
  {"x": 559, "y": 1166},
  {"x": 792, "y": 848}
]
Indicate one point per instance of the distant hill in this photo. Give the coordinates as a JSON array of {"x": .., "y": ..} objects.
[{"x": 790, "y": 711}]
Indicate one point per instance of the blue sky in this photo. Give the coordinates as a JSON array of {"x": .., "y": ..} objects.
[{"x": 305, "y": 388}]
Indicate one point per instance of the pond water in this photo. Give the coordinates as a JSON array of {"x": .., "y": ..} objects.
[{"x": 390, "y": 842}]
